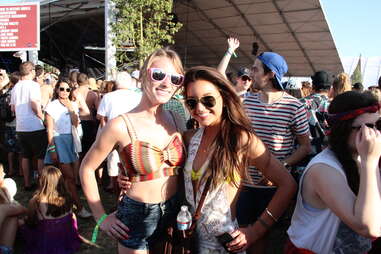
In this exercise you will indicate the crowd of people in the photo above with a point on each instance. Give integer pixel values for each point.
(261, 149)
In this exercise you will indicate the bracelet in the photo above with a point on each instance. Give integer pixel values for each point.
(270, 214)
(96, 228)
(231, 52)
(263, 223)
(51, 147)
(52, 151)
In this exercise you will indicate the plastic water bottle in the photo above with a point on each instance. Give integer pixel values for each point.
(184, 218)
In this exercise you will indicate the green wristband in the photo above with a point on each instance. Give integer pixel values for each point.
(96, 228)
(231, 52)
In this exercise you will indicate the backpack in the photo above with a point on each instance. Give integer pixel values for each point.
(6, 113)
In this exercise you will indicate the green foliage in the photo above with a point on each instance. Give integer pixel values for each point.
(356, 75)
(142, 26)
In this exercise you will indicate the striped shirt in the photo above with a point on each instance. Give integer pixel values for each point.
(277, 125)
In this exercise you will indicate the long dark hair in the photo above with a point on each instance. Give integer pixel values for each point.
(341, 130)
(51, 187)
(230, 154)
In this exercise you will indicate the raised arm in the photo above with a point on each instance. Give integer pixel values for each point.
(233, 44)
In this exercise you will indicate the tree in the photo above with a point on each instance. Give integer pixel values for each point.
(141, 27)
(356, 75)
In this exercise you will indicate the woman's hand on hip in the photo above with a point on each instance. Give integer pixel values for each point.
(114, 227)
(123, 180)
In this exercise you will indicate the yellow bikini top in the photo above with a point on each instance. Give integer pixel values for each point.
(196, 175)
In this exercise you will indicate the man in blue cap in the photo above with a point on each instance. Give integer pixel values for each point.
(279, 120)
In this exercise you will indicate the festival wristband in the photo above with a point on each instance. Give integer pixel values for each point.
(231, 52)
(96, 228)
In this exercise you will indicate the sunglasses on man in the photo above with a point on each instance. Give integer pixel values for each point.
(245, 78)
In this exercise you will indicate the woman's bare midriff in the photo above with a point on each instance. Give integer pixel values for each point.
(154, 191)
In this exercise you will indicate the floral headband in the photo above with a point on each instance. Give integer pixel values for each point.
(353, 114)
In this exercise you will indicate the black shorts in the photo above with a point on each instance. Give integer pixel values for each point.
(10, 141)
(251, 203)
(89, 128)
(32, 144)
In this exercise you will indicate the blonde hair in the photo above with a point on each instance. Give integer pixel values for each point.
(164, 52)
(52, 187)
(306, 89)
(341, 84)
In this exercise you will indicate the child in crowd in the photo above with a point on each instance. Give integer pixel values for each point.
(9, 210)
(51, 226)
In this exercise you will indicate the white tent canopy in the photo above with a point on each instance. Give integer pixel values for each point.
(296, 29)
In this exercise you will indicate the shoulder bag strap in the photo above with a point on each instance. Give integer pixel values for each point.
(197, 214)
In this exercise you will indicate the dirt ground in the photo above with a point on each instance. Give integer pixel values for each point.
(107, 245)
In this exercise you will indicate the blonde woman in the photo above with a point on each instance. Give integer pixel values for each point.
(341, 84)
(151, 147)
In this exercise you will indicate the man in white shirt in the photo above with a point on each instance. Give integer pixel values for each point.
(122, 100)
(30, 130)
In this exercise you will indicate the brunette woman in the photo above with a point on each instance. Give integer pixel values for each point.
(61, 115)
(222, 149)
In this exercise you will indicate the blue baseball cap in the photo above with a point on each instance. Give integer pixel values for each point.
(276, 64)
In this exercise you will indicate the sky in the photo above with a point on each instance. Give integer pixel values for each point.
(355, 26)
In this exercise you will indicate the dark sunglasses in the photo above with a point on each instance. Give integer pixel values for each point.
(208, 101)
(246, 78)
(370, 125)
(63, 89)
(158, 74)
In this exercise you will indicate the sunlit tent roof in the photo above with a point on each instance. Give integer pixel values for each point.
(296, 29)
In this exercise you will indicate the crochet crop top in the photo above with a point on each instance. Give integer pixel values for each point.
(143, 161)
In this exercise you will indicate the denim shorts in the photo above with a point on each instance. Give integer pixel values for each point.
(146, 222)
(64, 148)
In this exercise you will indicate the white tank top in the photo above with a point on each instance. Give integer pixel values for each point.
(320, 230)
